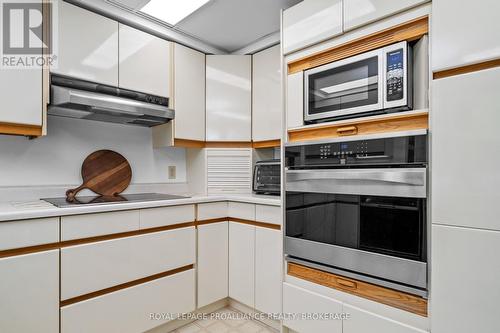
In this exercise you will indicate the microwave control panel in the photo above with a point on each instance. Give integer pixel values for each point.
(395, 75)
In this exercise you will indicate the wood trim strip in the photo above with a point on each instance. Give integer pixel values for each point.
(228, 144)
(189, 143)
(266, 144)
(124, 286)
(19, 129)
(466, 69)
(409, 31)
(210, 221)
(255, 223)
(73, 242)
(391, 297)
(403, 121)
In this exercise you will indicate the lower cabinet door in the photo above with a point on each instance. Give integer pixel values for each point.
(132, 310)
(465, 280)
(305, 305)
(29, 293)
(361, 321)
(268, 264)
(242, 263)
(212, 263)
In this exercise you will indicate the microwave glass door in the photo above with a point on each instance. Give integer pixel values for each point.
(345, 87)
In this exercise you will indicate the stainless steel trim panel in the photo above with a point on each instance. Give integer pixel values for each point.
(395, 182)
(410, 272)
(360, 277)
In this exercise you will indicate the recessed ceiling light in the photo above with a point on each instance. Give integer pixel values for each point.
(171, 11)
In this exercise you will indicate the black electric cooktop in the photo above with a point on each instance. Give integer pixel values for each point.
(106, 200)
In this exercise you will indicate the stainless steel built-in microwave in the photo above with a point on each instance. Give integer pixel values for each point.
(365, 84)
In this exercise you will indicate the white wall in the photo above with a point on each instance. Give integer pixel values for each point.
(57, 158)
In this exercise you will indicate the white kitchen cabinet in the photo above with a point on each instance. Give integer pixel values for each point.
(464, 33)
(361, 12)
(310, 22)
(242, 263)
(268, 265)
(129, 310)
(229, 98)
(361, 321)
(17, 234)
(464, 280)
(95, 266)
(145, 62)
(268, 214)
(299, 301)
(266, 94)
(212, 210)
(98, 224)
(464, 131)
(295, 100)
(212, 262)
(29, 300)
(189, 93)
(241, 210)
(163, 216)
(88, 45)
(21, 95)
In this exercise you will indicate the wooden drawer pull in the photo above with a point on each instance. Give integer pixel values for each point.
(347, 284)
(347, 130)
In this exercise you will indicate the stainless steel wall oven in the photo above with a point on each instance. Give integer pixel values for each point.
(357, 207)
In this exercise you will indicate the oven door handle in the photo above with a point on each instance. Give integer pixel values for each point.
(407, 177)
(407, 182)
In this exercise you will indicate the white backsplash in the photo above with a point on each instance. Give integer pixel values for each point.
(55, 160)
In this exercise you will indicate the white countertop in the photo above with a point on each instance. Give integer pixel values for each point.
(22, 210)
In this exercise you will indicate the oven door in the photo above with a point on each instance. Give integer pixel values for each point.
(368, 222)
(345, 87)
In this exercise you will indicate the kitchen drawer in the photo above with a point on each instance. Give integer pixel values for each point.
(363, 321)
(129, 310)
(25, 233)
(268, 214)
(241, 210)
(91, 267)
(212, 210)
(299, 301)
(90, 225)
(163, 216)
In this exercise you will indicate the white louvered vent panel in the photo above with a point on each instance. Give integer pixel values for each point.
(229, 170)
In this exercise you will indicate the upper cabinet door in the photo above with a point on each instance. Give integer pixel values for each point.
(310, 22)
(189, 97)
(145, 62)
(464, 33)
(88, 45)
(229, 98)
(266, 95)
(361, 12)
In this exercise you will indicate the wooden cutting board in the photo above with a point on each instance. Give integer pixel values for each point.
(104, 172)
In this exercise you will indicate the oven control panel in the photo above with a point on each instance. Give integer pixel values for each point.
(394, 150)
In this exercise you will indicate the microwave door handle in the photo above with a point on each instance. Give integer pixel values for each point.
(415, 178)
(360, 157)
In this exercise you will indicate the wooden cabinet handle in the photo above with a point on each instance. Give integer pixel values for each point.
(347, 130)
(347, 284)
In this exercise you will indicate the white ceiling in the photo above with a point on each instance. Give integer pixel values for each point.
(229, 25)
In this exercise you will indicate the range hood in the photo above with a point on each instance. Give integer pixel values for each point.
(80, 99)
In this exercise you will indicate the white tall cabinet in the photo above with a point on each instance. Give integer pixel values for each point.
(145, 62)
(88, 45)
(464, 32)
(229, 98)
(29, 290)
(266, 94)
